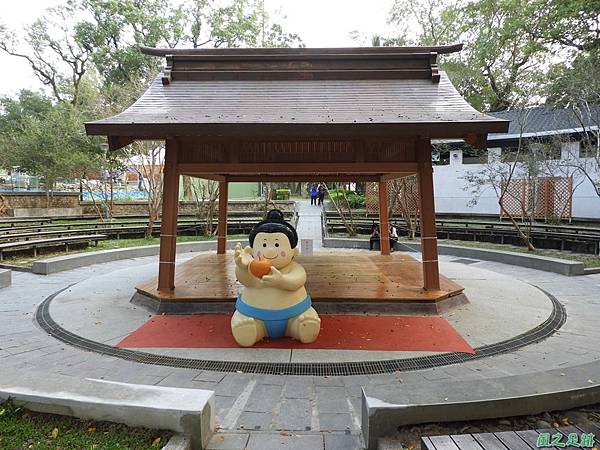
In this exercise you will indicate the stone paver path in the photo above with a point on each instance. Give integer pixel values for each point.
(309, 222)
(263, 412)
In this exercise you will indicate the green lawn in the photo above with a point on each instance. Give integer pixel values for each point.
(22, 429)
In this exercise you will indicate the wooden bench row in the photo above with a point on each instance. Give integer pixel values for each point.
(569, 229)
(196, 228)
(96, 224)
(80, 225)
(581, 242)
(14, 221)
(52, 242)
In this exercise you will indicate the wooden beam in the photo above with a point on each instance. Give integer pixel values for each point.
(260, 132)
(222, 227)
(303, 177)
(168, 226)
(395, 176)
(206, 176)
(429, 252)
(384, 221)
(342, 168)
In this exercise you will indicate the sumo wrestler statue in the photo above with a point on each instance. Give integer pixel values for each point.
(274, 302)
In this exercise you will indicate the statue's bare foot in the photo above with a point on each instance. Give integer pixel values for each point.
(305, 327)
(246, 331)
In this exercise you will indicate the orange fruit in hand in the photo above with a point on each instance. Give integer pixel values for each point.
(260, 267)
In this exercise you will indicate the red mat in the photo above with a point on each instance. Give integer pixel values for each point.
(341, 332)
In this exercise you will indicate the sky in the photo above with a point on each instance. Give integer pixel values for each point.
(320, 23)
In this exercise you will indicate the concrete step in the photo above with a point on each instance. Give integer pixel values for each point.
(5, 278)
(385, 408)
(74, 261)
(186, 411)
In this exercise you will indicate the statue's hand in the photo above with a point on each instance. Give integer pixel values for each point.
(273, 279)
(242, 257)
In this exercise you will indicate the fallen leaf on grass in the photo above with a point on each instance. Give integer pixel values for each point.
(156, 442)
(54, 433)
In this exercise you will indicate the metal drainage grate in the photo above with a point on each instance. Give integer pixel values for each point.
(465, 261)
(547, 328)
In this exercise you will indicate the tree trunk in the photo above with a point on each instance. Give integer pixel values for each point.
(349, 224)
(187, 188)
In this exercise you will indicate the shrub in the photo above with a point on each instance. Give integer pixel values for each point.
(282, 194)
(356, 201)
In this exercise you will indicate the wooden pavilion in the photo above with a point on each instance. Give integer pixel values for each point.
(279, 114)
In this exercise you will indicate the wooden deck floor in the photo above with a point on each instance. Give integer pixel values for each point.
(344, 277)
(507, 440)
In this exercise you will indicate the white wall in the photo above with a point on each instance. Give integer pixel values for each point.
(452, 193)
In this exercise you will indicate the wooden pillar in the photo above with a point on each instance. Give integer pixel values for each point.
(168, 227)
(222, 228)
(431, 274)
(384, 222)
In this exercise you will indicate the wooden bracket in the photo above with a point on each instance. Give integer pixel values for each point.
(166, 74)
(435, 70)
(117, 142)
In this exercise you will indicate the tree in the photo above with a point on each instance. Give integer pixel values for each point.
(206, 194)
(507, 42)
(47, 139)
(116, 29)
(571, 24)
(575, 85)
(404, 197)
(55, 56)
(87, 53)
(148, 158)
(339, 200)
(499, 173)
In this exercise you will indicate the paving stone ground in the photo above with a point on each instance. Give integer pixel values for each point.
(264, 411)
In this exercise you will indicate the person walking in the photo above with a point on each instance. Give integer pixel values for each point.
(313, 194)
(321, 194)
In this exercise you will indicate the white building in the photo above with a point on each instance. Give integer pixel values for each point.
(561, 127)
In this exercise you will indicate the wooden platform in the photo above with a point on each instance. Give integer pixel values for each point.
(360, 278)
(509, 440)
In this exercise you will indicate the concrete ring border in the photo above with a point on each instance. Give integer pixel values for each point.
(552, 324)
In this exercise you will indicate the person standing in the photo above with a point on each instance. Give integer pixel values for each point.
(374, 236)
(313, 194)
(321, 194)
(393, 237)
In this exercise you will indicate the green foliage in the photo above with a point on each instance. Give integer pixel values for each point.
(575, 83)
(508, 43)
(46, 139)
(93, 68)
(282, 194)
(356, 201)
(118, 27)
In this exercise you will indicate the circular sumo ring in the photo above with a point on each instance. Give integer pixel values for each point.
(273, 303)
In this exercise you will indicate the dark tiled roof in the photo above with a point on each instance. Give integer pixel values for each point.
(543, 119)
(274, 93)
